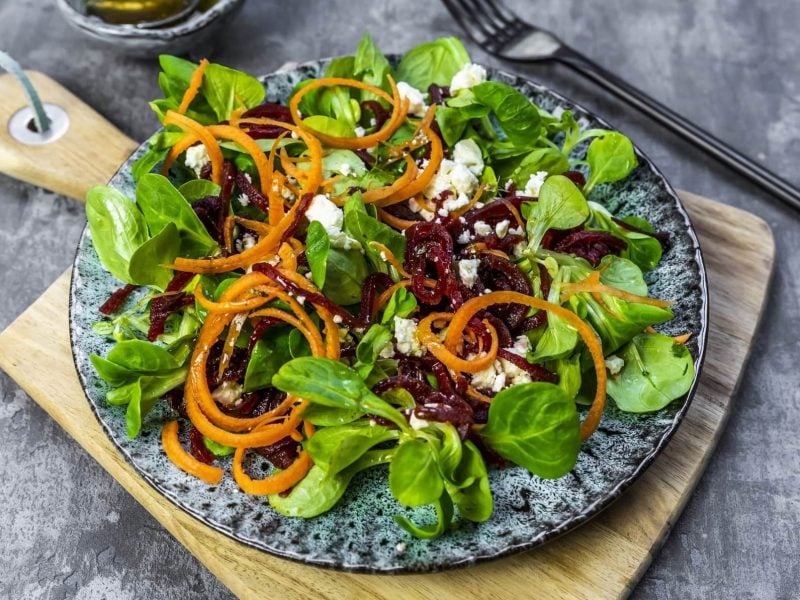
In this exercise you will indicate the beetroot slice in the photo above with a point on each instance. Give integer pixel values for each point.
(199, 450)
(117, 299)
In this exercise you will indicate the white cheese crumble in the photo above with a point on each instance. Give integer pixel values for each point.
(387, 351)
(359, 131)
(535, 183)
(248, 241)
(415, 207)
(467, 153)
(503, 372)
(453, 177)
(468, 271)
(345, 169)
(416, 422)
(614, 364)
(416, 101)
(227, 393)
(501, 229)
(243, 199)
(197, 158)
(465, 238)
(405, 331)
(331, 217)
(469, 75)
(482, 228)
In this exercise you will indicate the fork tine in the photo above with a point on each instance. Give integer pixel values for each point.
(481, 19)
(504, 13)
(493, 12)
(459, 14)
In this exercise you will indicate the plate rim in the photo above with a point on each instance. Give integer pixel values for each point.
(571, 522)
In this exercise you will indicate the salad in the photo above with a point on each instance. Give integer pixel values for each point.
(403, 265)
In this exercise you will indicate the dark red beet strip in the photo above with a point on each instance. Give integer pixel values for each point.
(380, 114)
(199, 450)
(537, 372)
(304, 203)
(253, 195)
(117, 299)
(316, 299)
(369, 290)
(269, 110)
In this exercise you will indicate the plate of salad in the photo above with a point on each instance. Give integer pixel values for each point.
(387, 314)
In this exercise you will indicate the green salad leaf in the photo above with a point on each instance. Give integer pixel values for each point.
(414, 477)
(432, 62)
(611, 158)
(535, 426)
(332, 383)
(227, 89)
(561, 205)
(107, 211)
(657, 371)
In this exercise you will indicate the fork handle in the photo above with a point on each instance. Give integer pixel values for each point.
(778, 187)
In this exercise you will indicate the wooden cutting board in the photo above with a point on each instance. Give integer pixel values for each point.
(602, 559)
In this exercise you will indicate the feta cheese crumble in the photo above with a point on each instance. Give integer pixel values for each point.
(503, 372)
(359, 131)
(416, 101)
(614, 364)
(331, 217)
(227, 393)
(468, 271)
(465, 238)
(405, 331)
(470, 75)
(482, 228)
(467, 153)
(415, 207)
(416, 422)
(197, 158)
(535, 183)
(501, 229)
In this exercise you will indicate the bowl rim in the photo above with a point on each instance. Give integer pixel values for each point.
(98, 27)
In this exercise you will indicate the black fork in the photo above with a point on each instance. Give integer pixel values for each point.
(500, 32)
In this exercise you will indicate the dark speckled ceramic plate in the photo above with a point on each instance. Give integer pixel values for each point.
(360, 533)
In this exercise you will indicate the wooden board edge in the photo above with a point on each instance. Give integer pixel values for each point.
(140, 489)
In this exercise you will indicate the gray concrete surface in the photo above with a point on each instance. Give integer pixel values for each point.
(68, 530)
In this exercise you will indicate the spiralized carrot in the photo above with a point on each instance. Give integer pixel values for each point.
(313, 177)
(474, 200)
(399, 111)
(592, 284)
(468, 310)
(393, 221)
(274, 484)
(404, 180)
(194, 86)
(185, 461)
(265, 248)
(424, 178)
(204, 135)
(447, 355)
(228, 307)
(389, 257)
(235, 134)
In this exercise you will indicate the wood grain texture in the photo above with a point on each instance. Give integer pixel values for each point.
(602, 559)
(90, 151)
